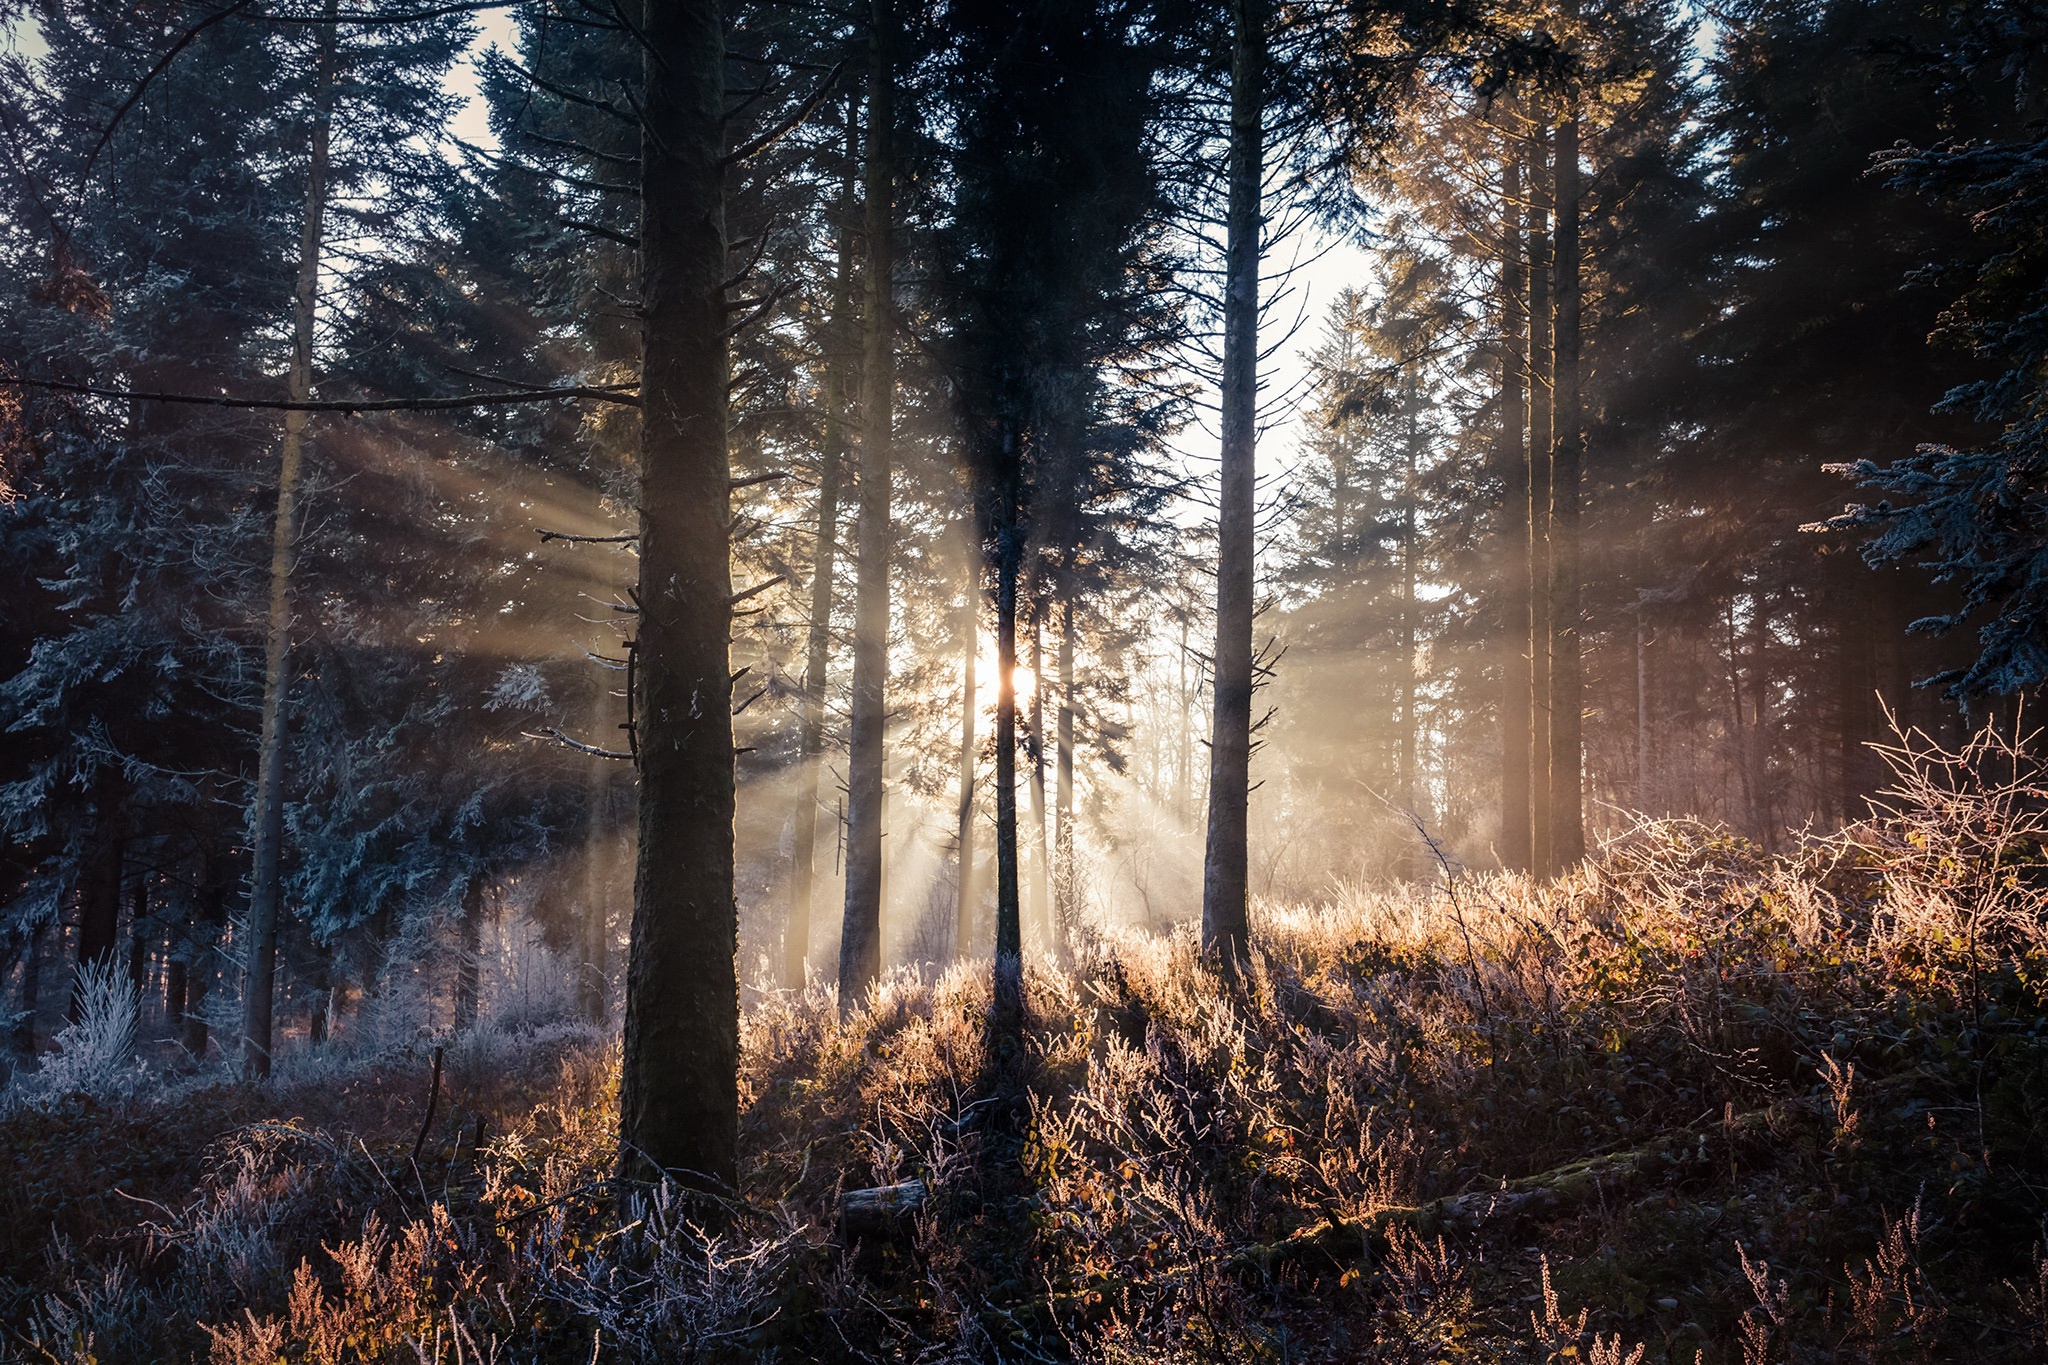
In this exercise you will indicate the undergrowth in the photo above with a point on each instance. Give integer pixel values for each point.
(1692, 1102)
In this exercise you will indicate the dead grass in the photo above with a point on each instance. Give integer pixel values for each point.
(1693, 1102)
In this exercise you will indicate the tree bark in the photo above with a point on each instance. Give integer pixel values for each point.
(1542, 378)
(1226, 860)
(966, 907)
(1065, 902)
(208, 916)
(469, 940)
(1034, 745)
(593, 974)
(30, 999)
(679, 1084)
(138, 935)
(796, 943)
(267, 814)
(1406, 783)
(1513, 459)
(1567, 780)
(1009, 963)
(860, 935)
(99, 900)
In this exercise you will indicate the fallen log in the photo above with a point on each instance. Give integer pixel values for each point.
(1549, 1193)
(881, 1211)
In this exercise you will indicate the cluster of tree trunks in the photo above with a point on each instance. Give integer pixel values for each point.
(1541, 458)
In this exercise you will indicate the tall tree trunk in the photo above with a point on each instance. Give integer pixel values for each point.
(1738, 735)
(1226, 860)
(1009, 963)
(267, 815)
(99, 899)
(860, 935)
(1542, 379)
(208, 915)
(1857, 623)
(1065, 908)
(139, 926)
(174, 996)
(811, 736)
(30, 999)
(679, 1085)
(1764, 818)
(1645, 755)
(1041, 898)
(1406, 782)
(1513, 460)
(796, 943)
(593, 974)
(469, 943)
(966, 906)
(1567, 780)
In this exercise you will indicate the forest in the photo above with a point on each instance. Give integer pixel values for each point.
(1023, 680)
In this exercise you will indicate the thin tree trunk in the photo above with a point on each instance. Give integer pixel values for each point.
(1009, 963)
(1406, 784)
(208, 916)
(99, 900)
(1041, 898)
(1065, 908)
(175, 972)
(593, 975)
(267, 816)
(1765, 816)
(138, 941)
(1645, 772)
(1226, 860)
(796, 944)
(1739, 737)
(1517, 683)
(966, 906)
(469, 942)
(1542, 377)
(31, 996)
(1567, 779)
(860, 935)
(138, 931)
(679, 1084)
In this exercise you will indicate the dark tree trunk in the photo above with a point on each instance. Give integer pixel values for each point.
(860, 935)
(208, 916)
(1407, 782)
(1226, 859)
(1567, 780)
(796, 943)
(469, 941)
(594, 948)
(1513, 459)
(1009, 963)
(99, 900)
(139, 928)
(679, 1085)
(965, 911)
(267, 817)
(31, 997)
(1066, 909)
(174, 996)
(1034, 746)
(1542, 379)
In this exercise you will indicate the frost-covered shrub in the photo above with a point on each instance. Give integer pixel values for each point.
(95, 1055)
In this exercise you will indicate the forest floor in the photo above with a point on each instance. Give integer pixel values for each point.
(1693, 1102)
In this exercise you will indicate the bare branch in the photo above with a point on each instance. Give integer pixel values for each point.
(600, 393)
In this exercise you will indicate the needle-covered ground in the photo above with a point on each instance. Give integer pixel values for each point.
(1693, 1103)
